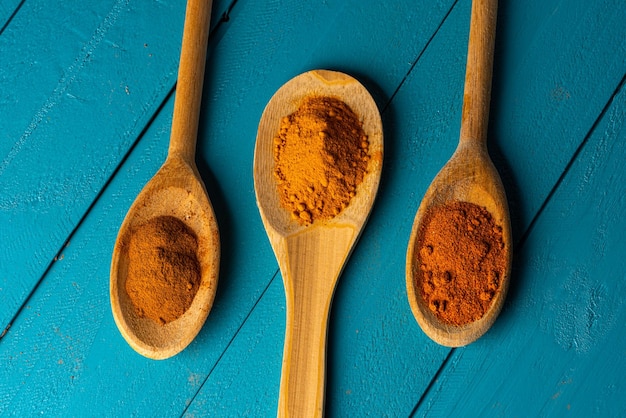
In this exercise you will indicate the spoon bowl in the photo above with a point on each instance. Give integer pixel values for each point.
(469, 176)
(312, 257)
(175, 190)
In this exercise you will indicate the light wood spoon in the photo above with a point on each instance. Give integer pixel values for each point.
(175, 190)
(311, 258)
(468, 176)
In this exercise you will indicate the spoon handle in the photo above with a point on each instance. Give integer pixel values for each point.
(478, 71)
(310, 263)
(302, 383)
(190, 80)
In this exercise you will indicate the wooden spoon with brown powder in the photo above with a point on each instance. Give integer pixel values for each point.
(311, 256)
(175, 190)
(469, 176)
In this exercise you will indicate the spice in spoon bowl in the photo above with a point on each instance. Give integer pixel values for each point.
(460, 250)
(165, 262)
(317, 164)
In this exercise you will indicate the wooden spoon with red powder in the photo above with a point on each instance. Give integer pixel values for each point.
(469, 177)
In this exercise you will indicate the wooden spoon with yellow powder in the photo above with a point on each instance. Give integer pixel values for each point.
(317, 166)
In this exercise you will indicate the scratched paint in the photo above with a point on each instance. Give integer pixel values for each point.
(63, 352)
(580, 314)
(63, 151)
(565, 336)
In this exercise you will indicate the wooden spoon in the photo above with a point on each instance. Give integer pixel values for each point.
(175, 190)
(468, 176)
(311, 258)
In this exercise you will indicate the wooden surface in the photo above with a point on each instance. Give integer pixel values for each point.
(86, 98)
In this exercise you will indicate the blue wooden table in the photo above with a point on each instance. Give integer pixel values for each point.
(86, 95)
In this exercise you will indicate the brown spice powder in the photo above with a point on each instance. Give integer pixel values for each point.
(321, 156)
(462, 259)
(163, 270)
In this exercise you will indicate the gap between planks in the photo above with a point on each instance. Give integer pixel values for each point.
(224, 18)
(517, 246)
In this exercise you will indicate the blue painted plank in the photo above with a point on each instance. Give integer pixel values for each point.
(548, 89)
(379, 360)
(76, 93)
(247, 265)
(64, 354)
(70, 106)
(233, 390)
(395, 367)
(370, 317)
(8, 9)
(559, 347)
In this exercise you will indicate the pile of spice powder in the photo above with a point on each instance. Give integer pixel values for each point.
(321, 156)
(461, 261)
(163, 269)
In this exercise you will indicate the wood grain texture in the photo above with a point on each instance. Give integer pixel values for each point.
(190, 80)
(555, 70)
(372, 335)
(555, 352)
(175, 190)
(479, 71)
(73, 107)
(311, 257)
(469, 176)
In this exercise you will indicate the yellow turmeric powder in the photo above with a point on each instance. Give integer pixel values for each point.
(321, 156)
